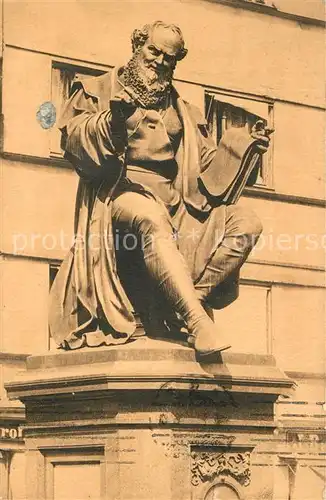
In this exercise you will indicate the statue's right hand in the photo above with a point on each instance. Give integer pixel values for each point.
(122, 106)
(124, 102)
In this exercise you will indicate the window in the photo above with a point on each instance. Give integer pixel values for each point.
(63, 75)
(224, 110)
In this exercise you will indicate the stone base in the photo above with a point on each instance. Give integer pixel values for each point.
(147, 421)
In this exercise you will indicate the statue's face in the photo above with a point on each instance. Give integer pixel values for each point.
(160, 50)
(150, 70)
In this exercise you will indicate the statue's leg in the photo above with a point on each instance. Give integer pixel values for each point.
(242, 231)
(146, 222)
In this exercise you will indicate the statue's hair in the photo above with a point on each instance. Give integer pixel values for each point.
(139, 37)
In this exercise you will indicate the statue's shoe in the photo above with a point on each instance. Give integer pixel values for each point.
(176, 325)
(208, 343)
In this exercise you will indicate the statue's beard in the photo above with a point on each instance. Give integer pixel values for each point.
(151, 87)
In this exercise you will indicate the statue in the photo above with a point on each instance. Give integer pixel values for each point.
(153, 232)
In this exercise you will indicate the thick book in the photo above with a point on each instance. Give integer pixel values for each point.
(236, 159)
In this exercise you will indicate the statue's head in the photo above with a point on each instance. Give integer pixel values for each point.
(157, 48)
(167, 39)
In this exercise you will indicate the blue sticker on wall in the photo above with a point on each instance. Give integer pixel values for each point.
(46, 115)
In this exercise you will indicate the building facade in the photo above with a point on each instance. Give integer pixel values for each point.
(246, 59)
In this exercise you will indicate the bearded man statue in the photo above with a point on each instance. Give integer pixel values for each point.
(151, 234)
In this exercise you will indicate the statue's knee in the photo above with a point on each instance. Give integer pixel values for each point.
(138, 214)
(246, 222)
(152, 222)
(245, 226)
(251, 231)
(255, 226)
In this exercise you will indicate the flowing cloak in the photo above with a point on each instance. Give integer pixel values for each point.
(87, 294)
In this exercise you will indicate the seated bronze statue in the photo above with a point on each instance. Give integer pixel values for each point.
(153, 233)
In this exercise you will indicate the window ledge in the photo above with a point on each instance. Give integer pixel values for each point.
(270, 194)
(264, 3)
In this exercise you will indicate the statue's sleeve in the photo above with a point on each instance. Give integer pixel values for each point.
(87, 138)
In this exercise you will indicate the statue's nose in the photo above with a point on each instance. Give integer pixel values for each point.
(160, 59)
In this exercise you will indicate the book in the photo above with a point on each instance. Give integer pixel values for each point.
(234, 163)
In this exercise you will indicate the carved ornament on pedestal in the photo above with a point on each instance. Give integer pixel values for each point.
(207, 465)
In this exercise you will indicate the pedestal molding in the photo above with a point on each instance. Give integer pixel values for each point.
(153, 366)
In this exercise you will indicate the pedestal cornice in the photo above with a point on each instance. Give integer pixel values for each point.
(146, 365)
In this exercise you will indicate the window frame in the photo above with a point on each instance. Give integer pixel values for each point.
(58, 99)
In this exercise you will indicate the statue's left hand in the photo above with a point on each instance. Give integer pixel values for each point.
(262, 134)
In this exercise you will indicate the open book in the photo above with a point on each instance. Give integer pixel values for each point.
(236, 159)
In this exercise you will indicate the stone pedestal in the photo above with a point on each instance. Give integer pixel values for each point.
(147, 421)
